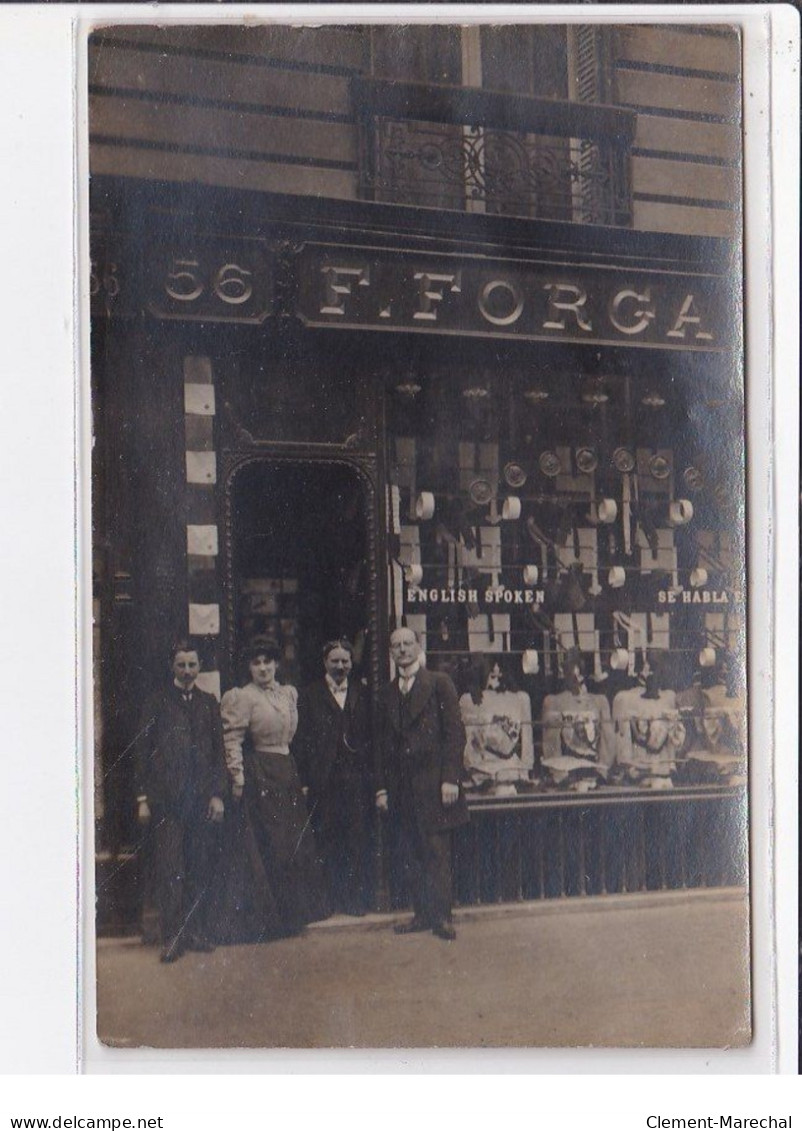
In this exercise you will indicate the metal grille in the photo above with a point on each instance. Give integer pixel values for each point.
(448, 165)
(579, 846)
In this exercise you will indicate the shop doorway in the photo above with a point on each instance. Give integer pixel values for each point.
(300, 572)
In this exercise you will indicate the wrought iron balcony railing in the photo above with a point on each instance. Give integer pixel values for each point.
(477, 150)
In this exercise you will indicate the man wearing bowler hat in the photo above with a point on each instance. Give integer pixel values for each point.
(418, 779)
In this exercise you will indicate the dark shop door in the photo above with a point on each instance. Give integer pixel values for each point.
(299, 557)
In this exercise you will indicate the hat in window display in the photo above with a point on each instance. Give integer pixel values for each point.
(514, 475)
(531, 574)
(698, 578)
(586, 460)
(530, 662)
(659, 468)
(481, 492)
(693, 478)
(549, 464)
(623, 460)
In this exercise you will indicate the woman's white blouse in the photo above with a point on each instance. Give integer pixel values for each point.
(270, 715)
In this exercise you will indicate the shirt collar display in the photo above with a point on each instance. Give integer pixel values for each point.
(406, 677)
(338, 690)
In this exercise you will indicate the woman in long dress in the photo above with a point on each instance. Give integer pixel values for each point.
(259, 722)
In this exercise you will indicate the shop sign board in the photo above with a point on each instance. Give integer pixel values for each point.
(500, 596)
(355, 288)
(186, 278)
(211, 280)
(377, 289)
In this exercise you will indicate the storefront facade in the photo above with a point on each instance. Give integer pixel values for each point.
(324, 418)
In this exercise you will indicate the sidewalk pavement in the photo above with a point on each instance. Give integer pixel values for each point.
(666, 970)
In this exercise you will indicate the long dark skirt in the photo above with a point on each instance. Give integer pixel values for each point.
(271, 880)
(244, 907)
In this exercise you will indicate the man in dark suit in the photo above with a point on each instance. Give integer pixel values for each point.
(331, 749)
(419, 770)
(181, 778)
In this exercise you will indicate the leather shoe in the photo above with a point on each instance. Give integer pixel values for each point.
(412, 927)
(444, 931)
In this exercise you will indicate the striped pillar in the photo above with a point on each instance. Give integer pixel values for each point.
(203, 538)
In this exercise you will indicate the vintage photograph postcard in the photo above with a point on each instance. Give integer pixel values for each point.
(418, 534)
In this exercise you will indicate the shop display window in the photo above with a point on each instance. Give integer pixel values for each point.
(574, 530)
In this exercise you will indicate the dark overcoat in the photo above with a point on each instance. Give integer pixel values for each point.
(317, 740)
(422, 745)
(180, 761)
